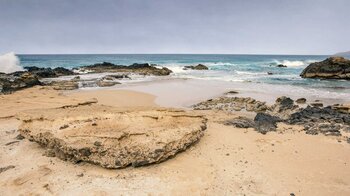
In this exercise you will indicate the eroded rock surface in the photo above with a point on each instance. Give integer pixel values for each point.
(145, 69)
(331, 68)
(111, 137)
(231, 104)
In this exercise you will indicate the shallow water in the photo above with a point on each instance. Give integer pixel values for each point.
(228, 68)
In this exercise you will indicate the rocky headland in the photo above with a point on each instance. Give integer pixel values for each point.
(331, 68)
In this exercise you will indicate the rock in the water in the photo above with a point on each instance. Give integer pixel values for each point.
(197, 67)
(281, 65)
(301, 101)
(48, 72)
(145, 69)
(240, 122)
(265, 123)
(119, 138)
(331, 68)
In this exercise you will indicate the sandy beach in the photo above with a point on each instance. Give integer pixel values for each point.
(226, 160)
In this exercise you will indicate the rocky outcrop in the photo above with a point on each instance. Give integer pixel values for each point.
(111, 137)
(145, 69)
(65, 85)
(327, 120)
(48, 72)
(17, 81)
(197, 67)
(231, 104)
(265, 122)
(331, 68)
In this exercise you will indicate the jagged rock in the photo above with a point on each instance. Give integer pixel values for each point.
(124, 137)
(240, 122)
(283, 107)
(64, 85)
(145, 69)
(17, 81)
(316, 120)
(197, 67)
(301, 101)
(265, 123)
(48, 72)
(331, 68)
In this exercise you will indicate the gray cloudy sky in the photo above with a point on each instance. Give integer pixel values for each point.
(176, 26)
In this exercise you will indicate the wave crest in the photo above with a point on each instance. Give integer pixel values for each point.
(9, 63)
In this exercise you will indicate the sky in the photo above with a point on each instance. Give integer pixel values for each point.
(175, 26)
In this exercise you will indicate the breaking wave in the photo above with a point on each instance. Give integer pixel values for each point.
(9, 62)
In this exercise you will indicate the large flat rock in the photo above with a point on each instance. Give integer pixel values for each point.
(112, 137)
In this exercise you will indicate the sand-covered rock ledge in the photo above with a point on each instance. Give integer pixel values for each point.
(112, 137)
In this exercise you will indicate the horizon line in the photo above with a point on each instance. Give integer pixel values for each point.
(171, 54)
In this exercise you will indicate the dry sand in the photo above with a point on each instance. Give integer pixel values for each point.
(226, 161)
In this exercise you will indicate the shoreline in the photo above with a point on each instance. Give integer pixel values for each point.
(226, 160)
(191, 91)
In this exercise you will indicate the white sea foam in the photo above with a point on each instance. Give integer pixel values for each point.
(9, 62)
(291, 63)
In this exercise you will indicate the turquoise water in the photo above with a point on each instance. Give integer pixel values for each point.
(239, 68)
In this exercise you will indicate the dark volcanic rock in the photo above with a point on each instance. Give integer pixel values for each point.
(331, 68)
(197, 67)
(240, 122)
(17, 81)
(145, 69)
(48, 72)
(320, 120)
(281, 65)
(265, 123)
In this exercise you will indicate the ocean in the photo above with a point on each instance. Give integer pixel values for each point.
(235, 68)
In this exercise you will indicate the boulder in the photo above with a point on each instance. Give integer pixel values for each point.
(265, 122)
(197, 67)
(331, 68)
(112, 137)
